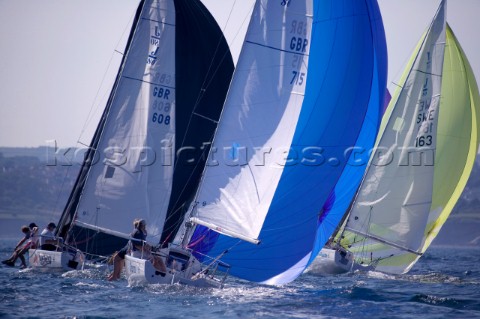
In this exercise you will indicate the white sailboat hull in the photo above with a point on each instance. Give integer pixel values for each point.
(190, 272)
(332, 262)
(55, 260)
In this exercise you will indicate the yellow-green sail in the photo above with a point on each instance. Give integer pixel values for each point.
(458, 135)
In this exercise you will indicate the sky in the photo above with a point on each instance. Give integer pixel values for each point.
(58, 58)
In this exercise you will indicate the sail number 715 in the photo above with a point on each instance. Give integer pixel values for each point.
(297, 78)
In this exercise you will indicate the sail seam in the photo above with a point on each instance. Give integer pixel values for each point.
(160, 22)
(277, 49)
(165, 86)
(427, 73)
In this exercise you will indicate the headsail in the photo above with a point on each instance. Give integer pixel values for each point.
(425, 155)
(298, 99)
(161, 99)
(459, 88)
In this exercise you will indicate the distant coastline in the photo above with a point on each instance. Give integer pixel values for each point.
(34, 190)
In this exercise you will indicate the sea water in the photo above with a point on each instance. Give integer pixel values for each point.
(445, 283)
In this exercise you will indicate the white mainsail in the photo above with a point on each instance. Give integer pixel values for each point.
(137, 134)
(238, 186)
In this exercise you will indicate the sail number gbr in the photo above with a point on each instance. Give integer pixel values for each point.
(161, 93)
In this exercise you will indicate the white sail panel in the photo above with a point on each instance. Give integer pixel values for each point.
(393, 204)
(133, 175)
(253, 139)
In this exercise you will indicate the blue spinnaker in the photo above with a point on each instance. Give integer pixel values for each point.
(344, 86)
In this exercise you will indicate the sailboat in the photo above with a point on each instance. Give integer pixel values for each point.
(147, 153)
(307, 75)
(423, 158)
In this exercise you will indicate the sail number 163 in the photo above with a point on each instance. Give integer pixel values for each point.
(423, 141)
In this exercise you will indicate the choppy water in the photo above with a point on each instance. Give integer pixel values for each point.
(444, 283)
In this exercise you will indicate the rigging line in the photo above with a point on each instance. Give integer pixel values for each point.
(169, 217)
(90, 115)
(427, 73)
(365, 225)
(405, 61)
(205, 117)
(397, 85)
(234, 38)
(64, 180)
(81, 143)
(386, 242)
(426, 34)
(206, 84)
(180, 221)
(70, 212)
(214, 261)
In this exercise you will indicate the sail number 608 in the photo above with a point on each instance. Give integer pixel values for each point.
(160, 118)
